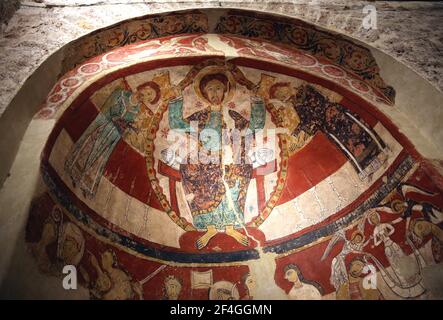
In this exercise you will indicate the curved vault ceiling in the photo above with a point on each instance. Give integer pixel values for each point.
(337, 184)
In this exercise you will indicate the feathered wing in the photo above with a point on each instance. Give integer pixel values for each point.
(408, 188)
(264, 85)
(362, 223)
(386, 209)
(338, 236)
(164, 82)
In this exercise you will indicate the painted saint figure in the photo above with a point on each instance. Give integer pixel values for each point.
(285, 116)
(406, 270)
(172, 288)
(312, 112)
(302, 289)
(427, 226)
(87, 159)
(339, 273)
(355, 289)
(216, 189)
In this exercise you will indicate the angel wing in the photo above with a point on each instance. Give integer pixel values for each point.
(404, 189)
(338, 236)
(164, 82)
(266, 82)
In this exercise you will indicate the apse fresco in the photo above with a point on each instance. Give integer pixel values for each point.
(217, 166)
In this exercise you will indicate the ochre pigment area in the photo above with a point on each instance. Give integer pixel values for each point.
(225, 167)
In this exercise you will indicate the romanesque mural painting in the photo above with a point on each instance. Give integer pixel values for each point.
(209, 174)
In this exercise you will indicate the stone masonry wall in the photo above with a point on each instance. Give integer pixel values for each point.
(410, 31)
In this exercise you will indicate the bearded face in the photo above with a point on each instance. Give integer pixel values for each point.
(214, 90)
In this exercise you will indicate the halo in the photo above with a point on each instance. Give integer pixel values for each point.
(371, 214)
(356, 233)
(398, 206)
(214, 70)
(265, 84)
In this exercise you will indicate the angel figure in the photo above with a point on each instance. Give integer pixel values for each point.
(357, 140)
(339, 274)
(405, 278)
(138, 138)
(89, 155)
(278, 97)
(429, 225)
(417, 229)
(407, 205)
(304, 111)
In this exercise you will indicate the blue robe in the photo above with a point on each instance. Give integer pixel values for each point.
(210, 205)
(87, 159)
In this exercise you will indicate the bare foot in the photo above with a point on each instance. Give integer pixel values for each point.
(204, 239)
(241, 238)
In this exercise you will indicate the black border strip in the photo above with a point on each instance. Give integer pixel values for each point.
(225, 257)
